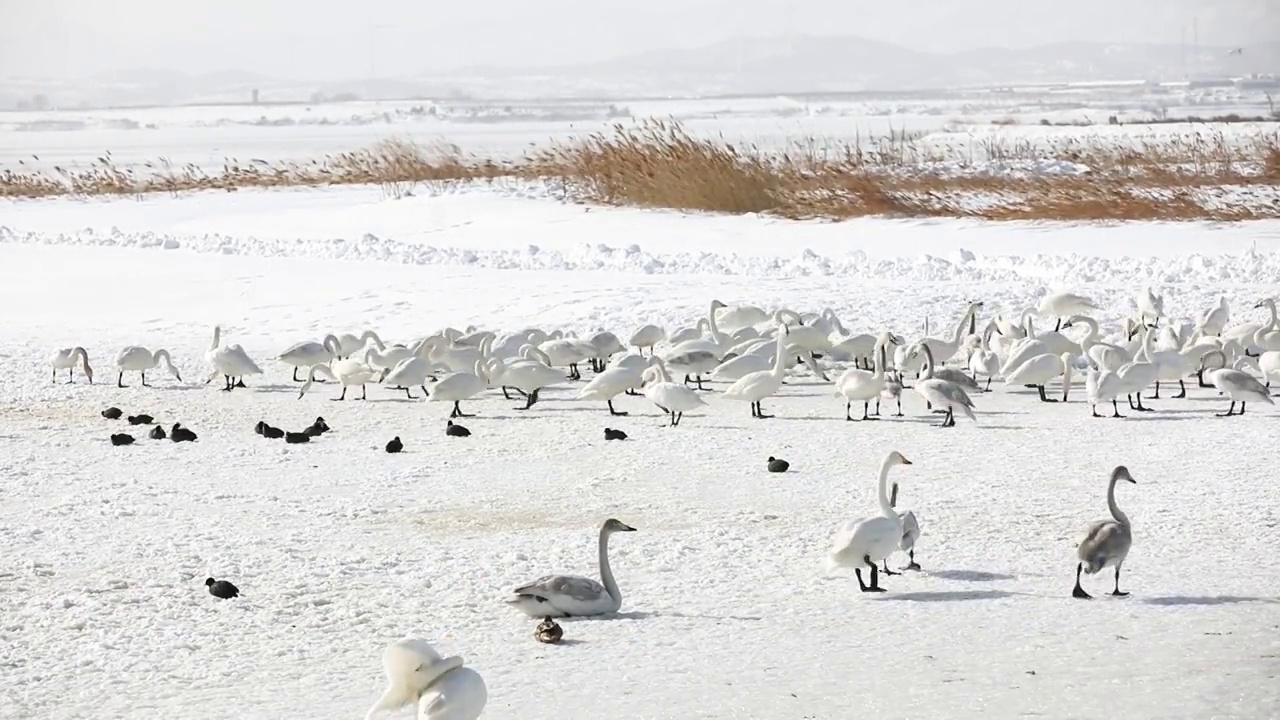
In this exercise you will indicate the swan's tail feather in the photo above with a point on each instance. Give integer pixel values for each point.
(968, 411)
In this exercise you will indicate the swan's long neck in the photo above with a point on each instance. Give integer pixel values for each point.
(779, 363)
(886, 507)
(714, 328)
(1028, 325)
(1111, 504)
(962, 326)
(606, 573)
(79, 352)
(879, 360)
(927, 372)
(217, 337)
(162, 355)
(1146, 344)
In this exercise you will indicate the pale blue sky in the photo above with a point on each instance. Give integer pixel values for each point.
(329, 39)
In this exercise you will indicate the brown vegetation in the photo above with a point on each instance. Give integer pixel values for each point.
(660, 165)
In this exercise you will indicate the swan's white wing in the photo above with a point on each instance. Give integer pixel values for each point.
(571, 586)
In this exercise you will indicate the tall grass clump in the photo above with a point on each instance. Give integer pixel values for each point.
(659, 164)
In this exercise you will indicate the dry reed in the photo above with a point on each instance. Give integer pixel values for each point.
(661, 165)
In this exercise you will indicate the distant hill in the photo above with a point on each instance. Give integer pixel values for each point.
(851, 63)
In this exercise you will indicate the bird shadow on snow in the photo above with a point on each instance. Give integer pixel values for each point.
(948, 596)
(969, 575)
(1171, 600)
(644, 615)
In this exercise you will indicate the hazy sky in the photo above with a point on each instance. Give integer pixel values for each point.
(332, 39)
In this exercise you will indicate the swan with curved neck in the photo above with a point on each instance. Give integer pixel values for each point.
(140, 360)
(348, 372)
(574, 595)
(671, 398)
(1106, 542)
(870, 540)
(941, 392)
(307, 353)
(856, 384)
(1105, 356)
(1237, 384)
(984, 360)
(67, 359)
(1267, 337)
(757, 386)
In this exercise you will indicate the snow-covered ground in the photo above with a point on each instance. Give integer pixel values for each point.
(340, 548)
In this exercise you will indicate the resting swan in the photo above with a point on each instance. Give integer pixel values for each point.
(1106, 542)
(66, 359)
(869, 541)
(574, 595)
(442, 687)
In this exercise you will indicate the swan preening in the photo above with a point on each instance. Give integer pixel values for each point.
(442, 687)
(574, 595)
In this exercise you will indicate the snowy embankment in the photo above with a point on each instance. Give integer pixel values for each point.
(339, 548)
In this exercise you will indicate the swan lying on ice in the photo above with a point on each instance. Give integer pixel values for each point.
(442, 687)
(573, 595)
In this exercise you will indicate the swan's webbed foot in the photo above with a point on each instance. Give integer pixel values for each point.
(615, 412)
(757, 412)
(887, 571)
(1231, 411)
(1043, 397)
(873, 587)
(409, 393)
(633, 393)
(1117, 593)
(457, 411)
(1182, 392)
(866, 406)
(913, 565)
(1077, 591)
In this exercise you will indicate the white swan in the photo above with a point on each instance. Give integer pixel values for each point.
(1149, 305)
(1215, 319)
(139, 359)
(613, 382)
(1103, 355)
(1039, 370)
(528, 375)
(672, 398)
(67, 359)
(757, 386)
(1106, 542)
(442, 687)
(1102, 386)
(646, 337)
(754, 356)
(1268, 365)
(349, 344)
(233, 363)
(741, 316)
(1238, 385)
(308, 353)
(574, 595)
(1061, 305)
(1137, 375)
(348, 372)
(870, 540)
(413, 370)
(910, 531)
(856, 384)
(944, 394)
(985, 360)
(568, 352)
(459, 386)
(1267, 337)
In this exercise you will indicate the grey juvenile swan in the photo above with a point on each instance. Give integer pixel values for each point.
(1107, 542)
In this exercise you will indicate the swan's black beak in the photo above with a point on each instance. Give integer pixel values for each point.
(628, 528)
(907, 462)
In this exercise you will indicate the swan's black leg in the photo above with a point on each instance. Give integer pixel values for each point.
(505, 394)
(633, 393)
(866, 406)
(1182, 392)
(1241, 407)
(424, 391)
(913, 565)
(988, 383)
(1094, 409)
(1117, 592)
(144, 379)
(678, 417)
(612, 411)
(364, 392)
(899, 414)
(760, 411)
(1077, 591)
(1043, 397)
(226, 380)
(886, 569)
(55, 375)
(295, 374)
(848, 404)
(1115, 409)
(1140, 408)
(875, 575)
(409, 393)
(343, 396)
(1200, 379)
(1156, 396)
(877, 407)
(1230, 411)
(698, 378)
(861, 585)
(457, 411)
(1058, 327)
